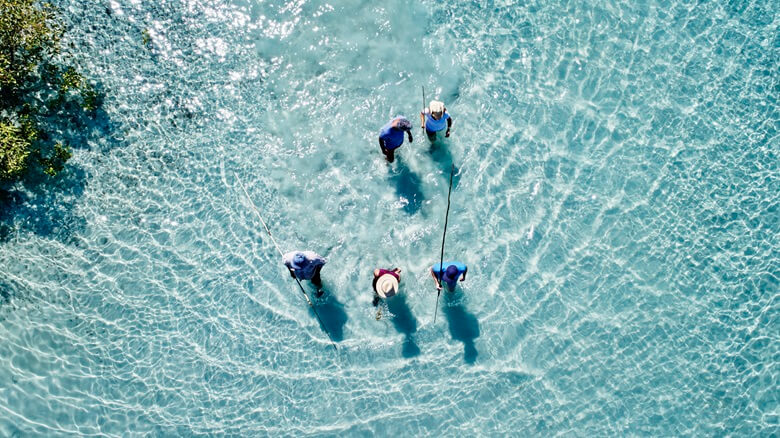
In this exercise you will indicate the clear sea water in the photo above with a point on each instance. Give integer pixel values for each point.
(616, 201)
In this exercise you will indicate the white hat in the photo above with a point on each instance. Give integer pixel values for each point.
(436, 106)
(387, 285)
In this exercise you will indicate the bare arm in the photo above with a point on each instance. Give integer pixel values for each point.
(435, 280)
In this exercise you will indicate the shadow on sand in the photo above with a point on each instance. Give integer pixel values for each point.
(405, 323)
(42, 204)
(407, 185)
(464, 326)
(332, 315)
(441, 155)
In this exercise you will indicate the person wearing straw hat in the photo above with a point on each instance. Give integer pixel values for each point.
(305, 265)
(450, 275)
(385, 283)
(435, 119)
(391, 136)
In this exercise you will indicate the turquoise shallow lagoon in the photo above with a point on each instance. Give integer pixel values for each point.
(616, 202)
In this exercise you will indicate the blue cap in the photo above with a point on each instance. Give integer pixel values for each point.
(451, 273)
(298, 260)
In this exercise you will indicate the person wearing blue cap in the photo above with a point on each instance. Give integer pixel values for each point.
(391, 136)
(305, 265)
(450, 275)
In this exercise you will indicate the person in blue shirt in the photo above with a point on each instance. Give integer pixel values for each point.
(435, 119)
(452, 271)
(391, 136)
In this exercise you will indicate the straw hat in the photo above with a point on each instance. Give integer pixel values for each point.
(387, 286)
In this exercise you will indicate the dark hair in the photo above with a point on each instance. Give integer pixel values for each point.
(451, 272)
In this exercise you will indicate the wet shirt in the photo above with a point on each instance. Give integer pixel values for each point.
(309, 265)
(437, 270)
(392, 137)
(433, 125)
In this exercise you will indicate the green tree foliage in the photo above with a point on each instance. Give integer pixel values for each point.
(14, 148)
(54, 163)
(31, 84)
(29, 34)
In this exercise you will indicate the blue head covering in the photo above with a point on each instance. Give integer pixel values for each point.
(298, 260)
(403, 123)
(451, 274)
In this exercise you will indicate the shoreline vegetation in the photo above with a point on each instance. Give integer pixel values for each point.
(37, 87)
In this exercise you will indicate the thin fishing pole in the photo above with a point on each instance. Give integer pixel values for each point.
(443, 237)
(423, 110)
(303, 291)
(332, 343)
(258, 215)
(257, 212)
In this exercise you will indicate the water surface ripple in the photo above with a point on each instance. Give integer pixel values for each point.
(616, 202)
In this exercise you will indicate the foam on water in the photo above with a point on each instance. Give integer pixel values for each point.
(616, 202)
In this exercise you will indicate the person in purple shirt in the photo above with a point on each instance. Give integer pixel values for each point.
(305, 265)
(391, 136)
(385, 283)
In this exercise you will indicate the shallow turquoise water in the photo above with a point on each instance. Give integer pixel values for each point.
(616, 202)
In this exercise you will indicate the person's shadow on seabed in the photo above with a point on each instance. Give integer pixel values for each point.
(464, 326)
(440, 153)
(332, 315)
(407, 185)
(405, 323)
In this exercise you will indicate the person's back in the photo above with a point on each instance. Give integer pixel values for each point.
(385, 283)
(449, 274)
(305, 265)
(391, 136)
(436, 119)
